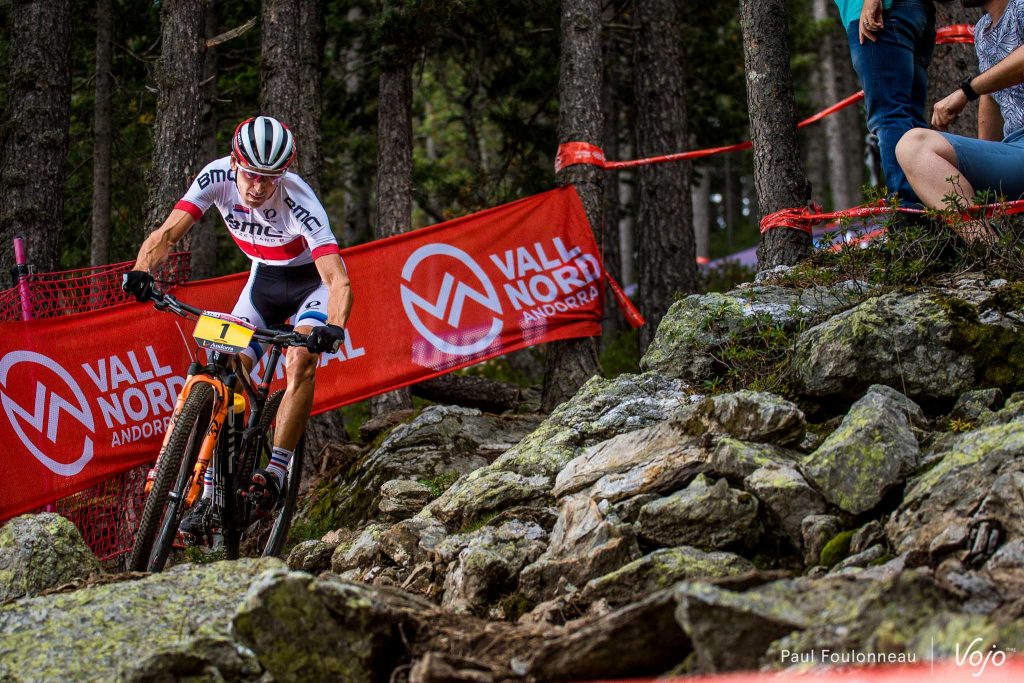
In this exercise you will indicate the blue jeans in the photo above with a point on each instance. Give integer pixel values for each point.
(893, 71)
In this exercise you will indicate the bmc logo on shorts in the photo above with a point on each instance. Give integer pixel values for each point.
(38, 420)
(466, 330)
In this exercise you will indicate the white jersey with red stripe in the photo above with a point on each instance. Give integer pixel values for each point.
(290, 229)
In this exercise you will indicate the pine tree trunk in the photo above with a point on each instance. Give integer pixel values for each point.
(102, 125)
(951, 64)
(176, 134)
(394, 180)
(614, 321)
(311, 57)
(35, 131)
(666, 255)
(733, 199)
(204, 234)
(778, 176)
(572, 362)
(279, 64)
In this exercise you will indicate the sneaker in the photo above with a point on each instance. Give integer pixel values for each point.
(264, 491)
(194, 527)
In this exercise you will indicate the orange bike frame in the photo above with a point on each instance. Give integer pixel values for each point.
(220, 411)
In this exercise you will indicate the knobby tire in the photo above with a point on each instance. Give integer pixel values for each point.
(193, 421)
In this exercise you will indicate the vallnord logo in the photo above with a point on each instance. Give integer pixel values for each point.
(453, 292)
(45, 414)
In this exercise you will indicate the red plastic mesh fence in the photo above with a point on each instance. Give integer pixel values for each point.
(106, 514)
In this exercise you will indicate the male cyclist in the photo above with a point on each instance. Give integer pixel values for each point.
(297, 272)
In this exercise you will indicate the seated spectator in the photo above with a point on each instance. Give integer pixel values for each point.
(938, 163)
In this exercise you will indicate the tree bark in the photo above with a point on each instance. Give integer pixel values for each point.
(279, 65)
(614, 321)
(470, 392)
(310, 110)
(951, 64)
(666, 252)
(778, 175)
(176, 134)
(103, 137)
(572, 362)
(394, 177)
(35, 131)
(204, 234)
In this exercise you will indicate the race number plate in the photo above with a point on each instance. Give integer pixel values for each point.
(222, 332)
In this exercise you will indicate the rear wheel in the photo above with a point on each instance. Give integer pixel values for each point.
(165, 503)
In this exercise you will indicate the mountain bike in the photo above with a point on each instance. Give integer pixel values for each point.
(208, 429)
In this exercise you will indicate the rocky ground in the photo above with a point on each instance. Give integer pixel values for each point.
(864, 493)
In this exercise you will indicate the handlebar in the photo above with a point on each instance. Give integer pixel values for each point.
(163, 301)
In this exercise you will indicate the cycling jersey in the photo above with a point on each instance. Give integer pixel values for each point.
(290, 229)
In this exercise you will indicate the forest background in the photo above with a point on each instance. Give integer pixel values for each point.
(138, 105)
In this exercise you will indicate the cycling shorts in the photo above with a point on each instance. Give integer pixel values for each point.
(274, 295)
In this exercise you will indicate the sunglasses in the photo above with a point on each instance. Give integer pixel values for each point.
(256, 177)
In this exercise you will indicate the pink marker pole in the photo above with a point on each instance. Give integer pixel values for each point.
(21, 268)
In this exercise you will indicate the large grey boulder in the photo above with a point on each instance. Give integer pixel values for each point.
(979, 479)
(41, 551)
(705, 515)
(696, 328)
(403, 498)
(909, 342)
(440, 441)
(601, 409)
(760, 417)
(873, 450)
(486, 492)
(360, 552)
(655, 459)
(641, 639)
(306, 629)
(661, 569)
(97, 632)
(788, 497)
(583, 545)
(487, 563)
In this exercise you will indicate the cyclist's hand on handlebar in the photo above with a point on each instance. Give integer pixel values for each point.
(139, 284)
(325, 339)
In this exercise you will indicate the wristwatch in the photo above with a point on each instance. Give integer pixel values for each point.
(965, 85)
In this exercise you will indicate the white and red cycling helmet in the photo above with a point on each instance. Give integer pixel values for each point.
(263, 145)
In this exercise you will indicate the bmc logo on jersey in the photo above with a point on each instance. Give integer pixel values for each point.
(463, 330)
(43, 408)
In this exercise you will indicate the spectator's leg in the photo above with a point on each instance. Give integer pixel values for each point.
(929, 160)
(893, 76)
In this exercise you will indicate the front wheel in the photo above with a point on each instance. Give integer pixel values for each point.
(165, 503)
(256, 454)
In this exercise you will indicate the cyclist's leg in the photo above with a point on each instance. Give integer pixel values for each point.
(300, 370)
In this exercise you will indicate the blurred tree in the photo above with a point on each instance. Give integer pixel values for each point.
(35, 132)
(102, 127)
(572, 362)
(394, 152)
(666, 254)
(777, 172)
(176, 134)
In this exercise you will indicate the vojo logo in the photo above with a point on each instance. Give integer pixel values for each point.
(448, 305)
(44, 417)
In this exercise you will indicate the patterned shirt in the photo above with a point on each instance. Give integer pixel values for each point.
(993, 43)
(290, 229)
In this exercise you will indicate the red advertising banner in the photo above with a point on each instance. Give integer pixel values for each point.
(88, 396)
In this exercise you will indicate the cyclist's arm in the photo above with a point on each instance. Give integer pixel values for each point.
(158, 245)
(332, 272)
